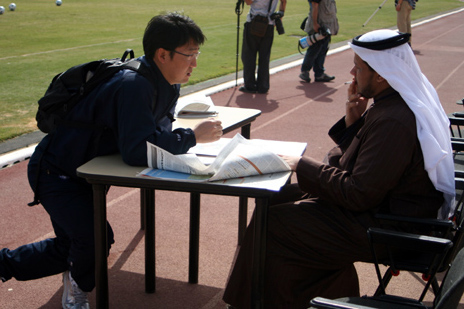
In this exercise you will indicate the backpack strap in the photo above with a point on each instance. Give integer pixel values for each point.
(140, 68)
(129, 52)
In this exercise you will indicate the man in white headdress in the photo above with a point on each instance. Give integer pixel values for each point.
(392, 157)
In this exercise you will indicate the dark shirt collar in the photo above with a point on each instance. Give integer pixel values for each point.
(387, 93)
(162, 82)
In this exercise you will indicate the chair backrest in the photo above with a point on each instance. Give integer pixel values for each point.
(456, 125)
(430, 263)
(458, 218)
(457, 141)
(457, 144)
(452, 288)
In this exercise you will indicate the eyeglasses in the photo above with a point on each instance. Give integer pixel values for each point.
(189, 57)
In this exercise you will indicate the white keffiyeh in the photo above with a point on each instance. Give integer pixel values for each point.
(399, 67)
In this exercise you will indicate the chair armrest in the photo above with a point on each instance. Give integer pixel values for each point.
(459, 183)
(383, 301)
(324, 303)
(440, 225)
(458, 114)
(409, 241)
(457, 143)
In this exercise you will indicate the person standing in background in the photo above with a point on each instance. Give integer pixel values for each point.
(254, 45)
(322, 13)
(403, 15)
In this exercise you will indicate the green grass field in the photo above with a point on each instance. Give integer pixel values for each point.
(40, 39)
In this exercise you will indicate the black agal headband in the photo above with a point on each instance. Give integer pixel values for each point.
(394, 41)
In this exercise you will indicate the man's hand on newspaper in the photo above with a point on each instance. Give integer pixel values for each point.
(292, 161)
(208, 131)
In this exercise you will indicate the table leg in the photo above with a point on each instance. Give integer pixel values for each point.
(259, 253)
(243, 200)
(194, 243)
(246, 131)
(101, 245)
(150, 262)
(242, 218)
(142, 209)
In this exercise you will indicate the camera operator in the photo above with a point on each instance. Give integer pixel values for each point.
(259, 45)
(322, 15)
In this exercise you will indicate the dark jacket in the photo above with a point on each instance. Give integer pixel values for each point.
(123, 109)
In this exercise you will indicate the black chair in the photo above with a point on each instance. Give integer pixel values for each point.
(457, 145)
(457, 141)
(427, 263)
(415, 260)
(456, 124)
(448, 297)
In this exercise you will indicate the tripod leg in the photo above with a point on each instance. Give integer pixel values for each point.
(380, 6)
(237, 53)
(238, 11)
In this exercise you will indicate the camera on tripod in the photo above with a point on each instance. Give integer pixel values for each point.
(313, 38)
(277, 18)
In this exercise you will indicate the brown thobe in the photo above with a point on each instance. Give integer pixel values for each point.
(313, 241)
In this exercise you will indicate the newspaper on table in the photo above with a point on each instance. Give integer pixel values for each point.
(238, 158)
(195, 106)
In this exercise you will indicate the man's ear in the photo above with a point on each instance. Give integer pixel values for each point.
(380, 79)
(161, 55)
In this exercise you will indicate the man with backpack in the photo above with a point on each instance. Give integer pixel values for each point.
(119, 115)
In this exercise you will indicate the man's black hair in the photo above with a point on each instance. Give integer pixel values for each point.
(170, 31)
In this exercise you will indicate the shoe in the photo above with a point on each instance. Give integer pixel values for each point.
(2, 278)
(305, 76)
(263, 91)
(246, 90)
(73, 296)
(324, 78)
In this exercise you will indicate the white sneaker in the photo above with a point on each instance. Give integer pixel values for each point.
(73, 296)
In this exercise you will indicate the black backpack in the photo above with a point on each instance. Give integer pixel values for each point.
(69, 87)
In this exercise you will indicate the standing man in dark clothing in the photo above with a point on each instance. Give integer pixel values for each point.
(322, 14)
(254, 45)
(392, 157)
(123, 110)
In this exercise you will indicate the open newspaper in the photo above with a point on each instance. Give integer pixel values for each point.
(238, 158)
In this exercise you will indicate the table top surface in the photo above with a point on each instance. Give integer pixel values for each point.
(111, 170)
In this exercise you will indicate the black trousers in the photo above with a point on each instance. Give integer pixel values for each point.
(311, 248)
(253, 47)
(70, 205)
